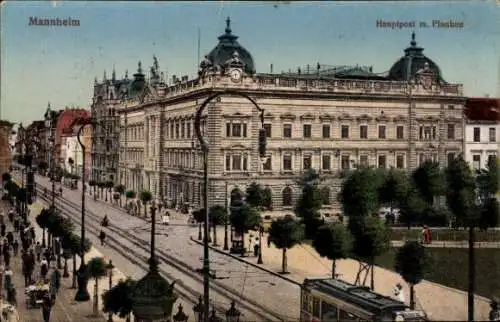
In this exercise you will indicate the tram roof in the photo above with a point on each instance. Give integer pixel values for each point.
(354, 294)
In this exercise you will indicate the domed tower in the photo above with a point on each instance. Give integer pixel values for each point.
(412, 62)
(225, 52)
(139, 82)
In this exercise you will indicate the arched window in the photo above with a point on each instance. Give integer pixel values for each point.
(325, 195)
(287, 196)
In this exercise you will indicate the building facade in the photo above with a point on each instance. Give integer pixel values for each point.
(105, 131)
(330, 118)
(73, 150)
(5, 146)
(482, 132)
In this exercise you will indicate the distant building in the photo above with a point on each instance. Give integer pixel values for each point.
(5, 146)
(482, 131)
(65, 118)
(71, 149)
(331, 118)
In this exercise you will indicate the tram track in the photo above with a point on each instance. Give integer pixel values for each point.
(186, 292)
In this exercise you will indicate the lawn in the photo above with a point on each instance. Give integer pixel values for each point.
(446, 234)
(450, 268)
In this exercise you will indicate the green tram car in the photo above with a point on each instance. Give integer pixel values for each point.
(329, 300)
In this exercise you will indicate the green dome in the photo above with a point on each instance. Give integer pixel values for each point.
(225, 49)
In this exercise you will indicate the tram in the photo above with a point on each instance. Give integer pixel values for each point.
(332, 300)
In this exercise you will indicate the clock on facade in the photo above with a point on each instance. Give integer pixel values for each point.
(235, 74)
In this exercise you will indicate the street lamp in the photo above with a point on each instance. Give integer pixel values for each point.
(214, 317)
(198, 310)
(180, 316)
(82, 295)
(110, 267)
(226, 222)
(49, 125)
(204, 146)
(233, 314)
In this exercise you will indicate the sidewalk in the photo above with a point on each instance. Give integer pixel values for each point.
(65, 308)
(441, 303)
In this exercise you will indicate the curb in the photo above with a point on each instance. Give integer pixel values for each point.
(247, 262)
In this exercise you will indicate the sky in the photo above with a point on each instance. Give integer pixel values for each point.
(58, 64)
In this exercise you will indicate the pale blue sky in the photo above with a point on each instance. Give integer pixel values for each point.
(58, 64)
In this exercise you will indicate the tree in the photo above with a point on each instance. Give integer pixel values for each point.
(97, 268)
(371, 239)
(285, 233)
(145, 196)
(412, 262)
(359, 195)
(334, 242)
(199, 217)
(267, 198)
(6, 177)
(394, 188)
(429, 181)
(73, 242)
(218, 216)
(42, 219)
(254, 195)
(243, 219)
(310, 202)
(412, 207)
(488, 185)
(120, 189)
(118, 300)
(130, 194)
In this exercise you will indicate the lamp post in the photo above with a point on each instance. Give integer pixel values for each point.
(110, 267)
(226, 222)
(233, 314)
(82, 295)
(180, 316)
(204, 146)
(49, 125)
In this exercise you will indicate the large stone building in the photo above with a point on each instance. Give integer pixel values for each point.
(328, 118)
(5, 146)
(482, 132)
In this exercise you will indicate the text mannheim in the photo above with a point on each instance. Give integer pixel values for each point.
(331, 119)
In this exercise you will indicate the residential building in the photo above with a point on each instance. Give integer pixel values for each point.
(72, 149)
(331, 118)
(482, 132)
(5, 146)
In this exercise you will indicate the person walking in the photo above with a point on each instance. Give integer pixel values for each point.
(28, 267)
(2, 229)
(15, 247)
(47, 303)
(6, 257)
(10, 237)
(102, 237)
(44, 269)
(38, 251)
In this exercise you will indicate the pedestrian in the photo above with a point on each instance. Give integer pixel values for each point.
(102, 237)
(10, 237)
(57, 246)
(11, 216)
(166, 218)
(6, 257)
(55, 281)
(15, 247)
(47, 303)
(2, 229)
(256, 249)
(44, 269)
(38, 251)
(28, 267)
(399, 293)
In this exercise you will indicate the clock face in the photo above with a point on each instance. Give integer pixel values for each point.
(235, 74)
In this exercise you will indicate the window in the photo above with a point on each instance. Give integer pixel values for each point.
(183, 130)
(188, 129)
(345, 162)
(451, 131)
(363, 161)
(326, 162)
(307, 161)
(492, 158)
(381, 131)
(476, 162)
(363, 131)
(492, 133)
(400, 161)
(427, 133)
(228, 130)
(307, 130)
(400, 132)
(287, 196)
(236, 164)
(382, 161)
(228, 162)
(268, 128)
(177, 128)
(236, 129)
(450, 157)
(287, 162)
(326, 131)
(287, 130)
(344, 129)
(267, 165)
(477, 134)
